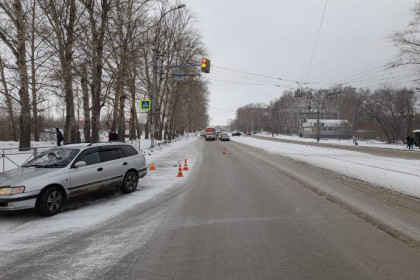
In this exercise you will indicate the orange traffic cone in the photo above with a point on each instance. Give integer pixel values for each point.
(224, 151)
(185, 165)
(180, 171)
(152, 167)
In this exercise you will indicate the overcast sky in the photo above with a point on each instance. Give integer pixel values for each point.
(276, 38)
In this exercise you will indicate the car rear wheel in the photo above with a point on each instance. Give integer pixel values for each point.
(50, 201)
(130, 182)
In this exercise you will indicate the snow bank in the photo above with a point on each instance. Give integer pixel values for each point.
(401, 175)
(343, 142)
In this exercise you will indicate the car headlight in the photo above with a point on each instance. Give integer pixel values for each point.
(14, 190)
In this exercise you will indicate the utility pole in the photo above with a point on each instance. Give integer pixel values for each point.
(317, 124)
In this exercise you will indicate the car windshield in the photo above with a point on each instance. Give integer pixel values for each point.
(53, 158)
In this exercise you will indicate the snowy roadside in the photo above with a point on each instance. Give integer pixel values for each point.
(341, 142)
(11, 157)
(26, 229)
(400, 175)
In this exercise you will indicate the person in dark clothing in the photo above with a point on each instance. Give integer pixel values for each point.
(411, 143)
(113, 136)
(407, 140)
(60, 137)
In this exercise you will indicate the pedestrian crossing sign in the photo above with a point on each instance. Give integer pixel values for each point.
(145, 105)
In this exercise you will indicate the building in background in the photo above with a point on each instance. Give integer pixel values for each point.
(339, 129)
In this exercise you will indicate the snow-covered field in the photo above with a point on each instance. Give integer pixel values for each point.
(342, 142)
(19, 230)
(400, 175)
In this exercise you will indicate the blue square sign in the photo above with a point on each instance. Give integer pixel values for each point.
(145, 105)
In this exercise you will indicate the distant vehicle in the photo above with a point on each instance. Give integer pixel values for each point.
(49, 179)
(202, 133)
(237, 133)
(210, 134)
(224, 137)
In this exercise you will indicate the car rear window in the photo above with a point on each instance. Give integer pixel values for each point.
(129, 151)
(110, 154)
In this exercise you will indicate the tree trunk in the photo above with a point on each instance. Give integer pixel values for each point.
(115, 113)
(70, 127)
(33, 79)
(139, 132)
(122, 96)
(121, 118)
(146, 130)
(86, 111)
(133, 112)
(25, 115)
(98, 44)
(9, 102)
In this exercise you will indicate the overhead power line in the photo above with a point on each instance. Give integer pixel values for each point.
(220, 109)
(267, 76)
(316, 41)
(385, 66)
(390, 73)
(243, 83)
(387, 74)
(245, 76)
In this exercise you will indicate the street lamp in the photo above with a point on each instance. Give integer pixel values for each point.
(155, 67)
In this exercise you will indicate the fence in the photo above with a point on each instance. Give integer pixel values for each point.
(12, 157)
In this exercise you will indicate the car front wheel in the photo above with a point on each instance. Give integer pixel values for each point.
(130, 182)
(50, 201)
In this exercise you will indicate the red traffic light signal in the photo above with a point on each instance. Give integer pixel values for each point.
(205, 65)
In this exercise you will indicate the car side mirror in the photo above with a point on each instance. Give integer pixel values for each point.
(80, 164)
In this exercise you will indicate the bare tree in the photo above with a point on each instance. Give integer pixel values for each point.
(408, 40)
(392, 109)
(85, 97)
(14, 37)
(39, 54)
(9, 102)
(61, 17)
(98, 19)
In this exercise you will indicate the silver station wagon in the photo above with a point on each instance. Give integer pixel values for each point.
(58, 173)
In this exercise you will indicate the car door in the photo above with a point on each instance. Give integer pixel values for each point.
(113, 164)
(135, 160)
(88, 177)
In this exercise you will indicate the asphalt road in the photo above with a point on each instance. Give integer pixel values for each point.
(236, 217)
(384, 152)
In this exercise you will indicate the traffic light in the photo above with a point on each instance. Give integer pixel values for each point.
(205, 65)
